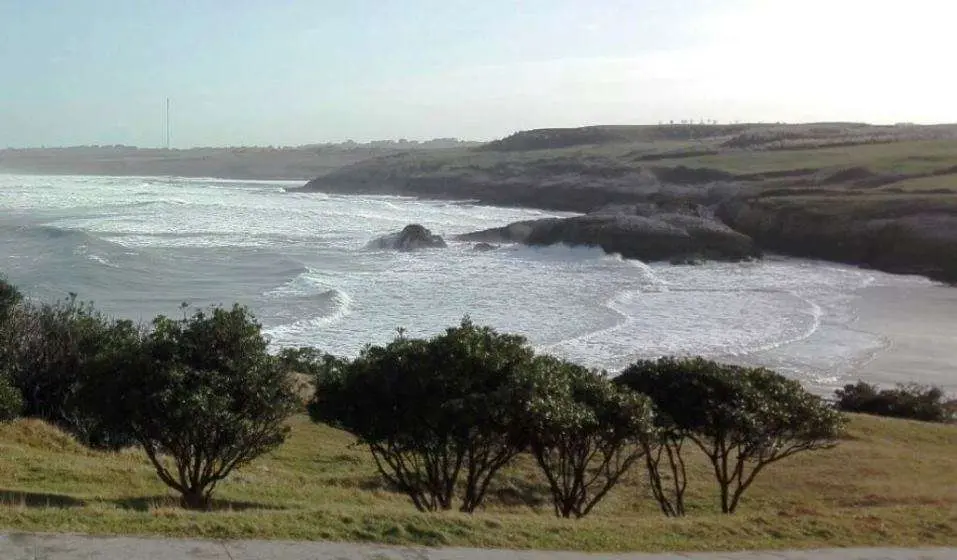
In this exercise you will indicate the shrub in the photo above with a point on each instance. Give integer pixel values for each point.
(584, 432)
(10, 297)
(11, 401)
(916, 402)
(201, 395)
(431, 411)
(743, 419)
(49, 351)
(305, 360)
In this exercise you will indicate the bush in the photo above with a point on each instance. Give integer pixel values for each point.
(584, 432)
(304, 360)
(11, 401)
(10, 297)
(431, 411)
(743, 419)
(49, 351)
(201, 395)
(916, 402)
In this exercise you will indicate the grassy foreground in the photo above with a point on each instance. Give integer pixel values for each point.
(891, 482)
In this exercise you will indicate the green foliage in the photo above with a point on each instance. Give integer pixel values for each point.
(11, 401)
(743, 419)
(10, 297)
(49, 352)
(433, 411)
(583, 431)
(202, 396)
(913, 401)
(305, 360)
(651, 378)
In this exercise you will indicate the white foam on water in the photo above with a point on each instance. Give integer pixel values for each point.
(296, 259)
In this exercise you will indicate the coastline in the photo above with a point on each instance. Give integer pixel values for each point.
(920, 325)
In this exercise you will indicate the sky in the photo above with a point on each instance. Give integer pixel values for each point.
(290, 72)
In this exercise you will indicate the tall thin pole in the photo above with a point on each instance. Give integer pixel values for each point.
(169, 178)
(167, 123)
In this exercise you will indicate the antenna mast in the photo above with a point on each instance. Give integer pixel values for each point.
(167, 123)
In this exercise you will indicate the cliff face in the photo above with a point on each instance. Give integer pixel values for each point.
(899, 239)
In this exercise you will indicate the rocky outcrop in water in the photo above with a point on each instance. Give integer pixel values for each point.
(648, 232)
(484, 247)
(412, 238)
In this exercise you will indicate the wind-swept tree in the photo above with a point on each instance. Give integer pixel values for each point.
(743, 419)
(584, 432)
(434, 413)
(202, 396)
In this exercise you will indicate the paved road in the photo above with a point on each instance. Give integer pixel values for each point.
(71, 547)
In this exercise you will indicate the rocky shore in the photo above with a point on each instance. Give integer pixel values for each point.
(878, 197)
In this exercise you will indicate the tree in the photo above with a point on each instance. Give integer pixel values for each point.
(653, 378)
(743, 419)
(431, 411)
(584, 432)
(202, 396)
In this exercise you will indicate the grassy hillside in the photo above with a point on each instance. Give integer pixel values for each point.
(891, 482)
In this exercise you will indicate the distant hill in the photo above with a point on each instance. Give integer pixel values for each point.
(732, 135)
(295, 163)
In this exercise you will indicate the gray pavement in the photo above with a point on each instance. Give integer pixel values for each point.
(21, 546)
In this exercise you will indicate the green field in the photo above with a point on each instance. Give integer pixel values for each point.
(890, 482)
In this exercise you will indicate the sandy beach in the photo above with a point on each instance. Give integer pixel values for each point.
(920, 326)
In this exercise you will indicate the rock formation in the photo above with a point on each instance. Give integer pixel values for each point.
(647, 232)
(412, 237)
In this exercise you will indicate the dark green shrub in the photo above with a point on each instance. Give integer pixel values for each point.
(743, 419)
(305, 360)
(49, 351)
(434, 413)
(584, 432)
(913, 401)
(10, 297)
(201, 395)
(11, 401)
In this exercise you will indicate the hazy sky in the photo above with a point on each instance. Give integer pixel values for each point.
(301, 71)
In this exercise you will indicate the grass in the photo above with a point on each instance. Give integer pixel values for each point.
(891, 482)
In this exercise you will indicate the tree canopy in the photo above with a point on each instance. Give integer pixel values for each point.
(202, 396)
(742, 418)
(431, 411)
(584, 432)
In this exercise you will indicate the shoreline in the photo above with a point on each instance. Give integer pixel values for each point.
(920, 326)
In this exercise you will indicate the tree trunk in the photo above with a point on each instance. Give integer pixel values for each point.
(195, 499)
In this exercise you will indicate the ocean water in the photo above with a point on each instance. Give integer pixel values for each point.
(138, 247)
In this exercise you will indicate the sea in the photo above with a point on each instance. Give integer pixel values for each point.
(137, 247)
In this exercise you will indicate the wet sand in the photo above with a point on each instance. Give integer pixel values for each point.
(920, 327)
